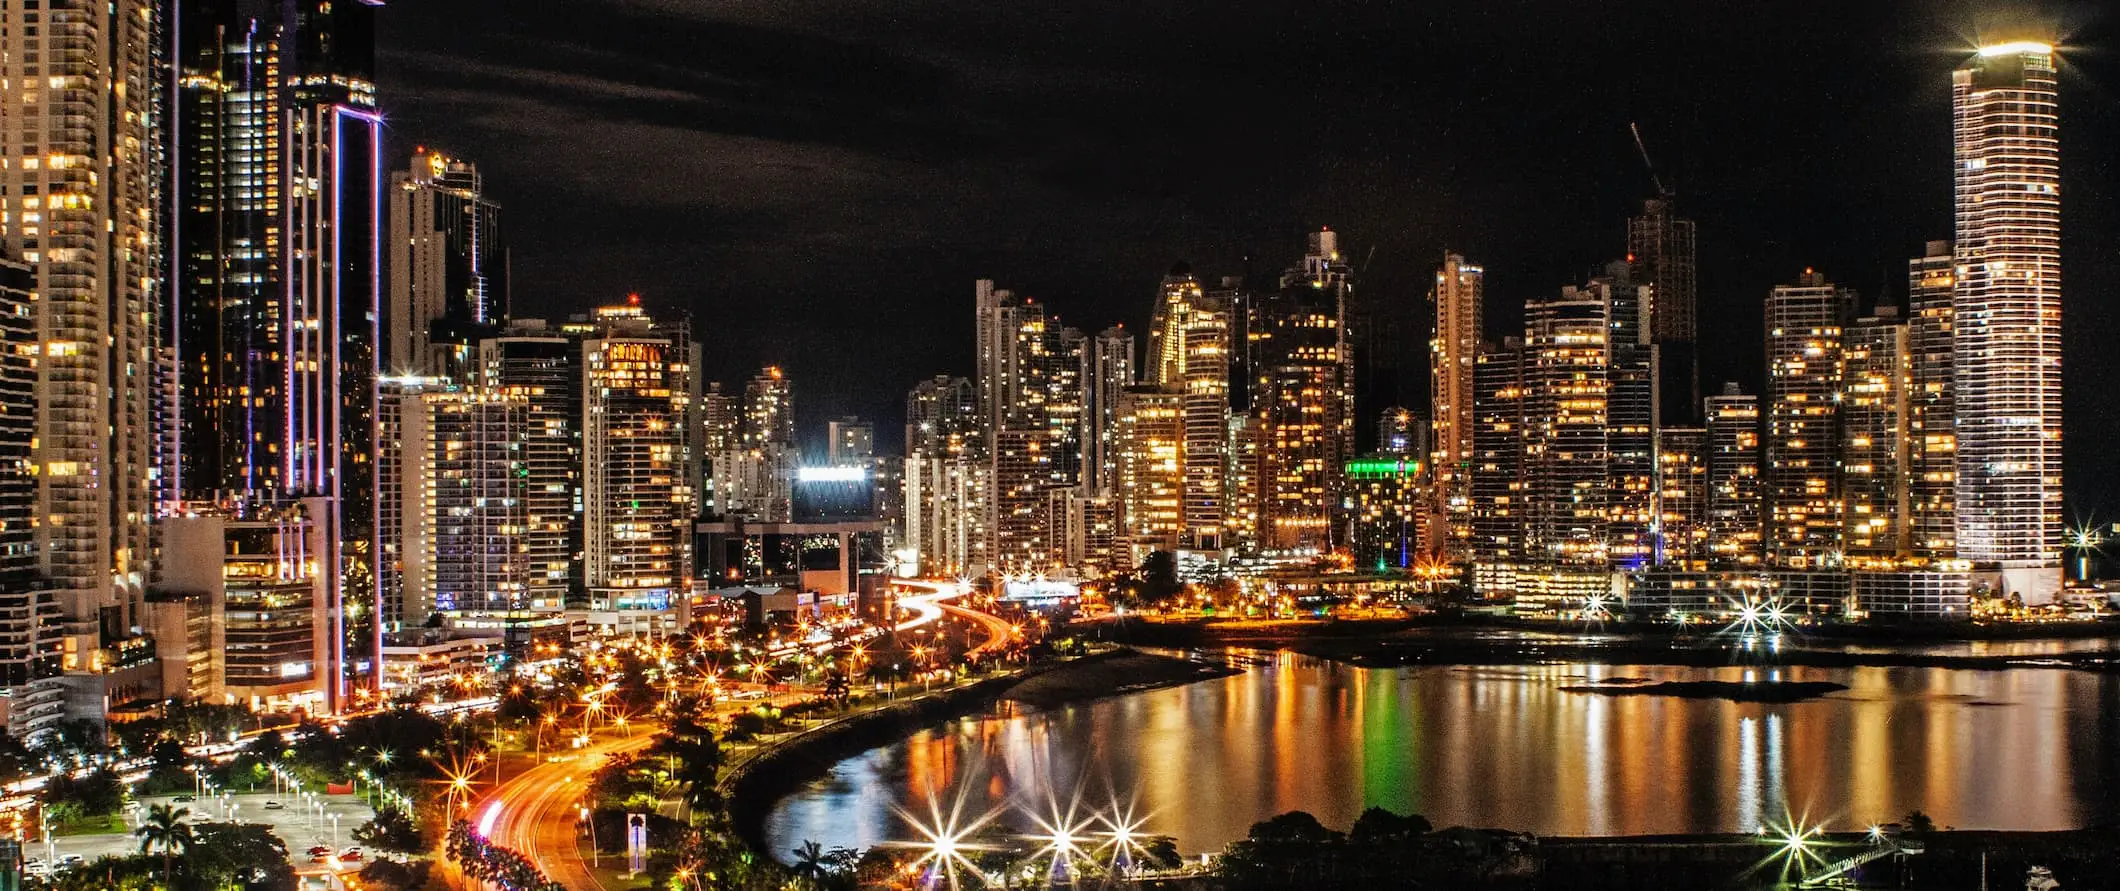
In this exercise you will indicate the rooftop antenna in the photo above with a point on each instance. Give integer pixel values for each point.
(1661, 192)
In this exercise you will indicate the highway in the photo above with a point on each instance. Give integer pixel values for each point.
(928, 606)
(933, 605)
(535, 811)
(538, 809)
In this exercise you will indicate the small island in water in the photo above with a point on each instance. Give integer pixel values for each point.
(1734, 691)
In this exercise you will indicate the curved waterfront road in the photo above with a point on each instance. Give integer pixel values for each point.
(538, 808)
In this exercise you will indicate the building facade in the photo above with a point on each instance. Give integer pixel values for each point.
(2006, 317)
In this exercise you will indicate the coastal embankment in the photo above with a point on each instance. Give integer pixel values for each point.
(753, 785)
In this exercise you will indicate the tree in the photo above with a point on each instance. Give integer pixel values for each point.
(812, 863)
(1379, 826)
(836, 687)
(165, 828)
(1919, 823)
(71, 798)
(694, 759)
(246, 855)
(392, 830)
(1159, 577)
(1289, 850)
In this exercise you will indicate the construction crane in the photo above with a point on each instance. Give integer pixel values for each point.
(1642, 147)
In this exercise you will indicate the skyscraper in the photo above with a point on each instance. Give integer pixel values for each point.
(1661, 245)
(1111, 371)
(637, 496)
(28, 618)
(1803, 443)
(1567, 404)
(1876, 441)
(1459, 297)
(275, 280)
(531, 361)
(1631, 415)
(1189, 349)
(1933, 445)
(1303, 398)
(1682, 533)
(448, 268)
(1151, 491)
(1499, 498)
(754, 475)
(2006, 317)
(82, 206)
(1736, 500)
(945, 478)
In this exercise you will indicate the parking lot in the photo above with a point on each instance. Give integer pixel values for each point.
(294, 821)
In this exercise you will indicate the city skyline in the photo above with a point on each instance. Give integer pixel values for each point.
(1774, 188)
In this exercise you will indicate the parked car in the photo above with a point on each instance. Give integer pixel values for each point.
(275, 806)
(183, 799)
(351, 854)
(320, 851)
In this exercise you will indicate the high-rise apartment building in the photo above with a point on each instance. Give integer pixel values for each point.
(531, 361)
(1631, 416)
(1805, 342)
(2006, 316)
(754, 475)
(1303, 398)
(1682, 530)
(1933, 445)
(1661, 245)
(28, 618)
(1189, 350)
(1736, 489)
(945, 479)
(81, 203)
(1459, 297)
(1568, 451)
(1500, 488)
(637, 492)
(448, 268)
(1877, 375)
(1151, 490)
(1111, 371)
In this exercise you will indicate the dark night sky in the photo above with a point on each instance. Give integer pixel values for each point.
(821, 181)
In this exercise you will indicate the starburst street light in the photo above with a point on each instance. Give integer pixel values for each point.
(1063, 836)
(1122, 848)
(2087, 541)
(1797, 846)
(944, 842)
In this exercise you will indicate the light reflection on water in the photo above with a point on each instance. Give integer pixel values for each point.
(1504, 746)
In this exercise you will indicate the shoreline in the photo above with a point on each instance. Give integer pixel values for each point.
(757, 785)
(1395, 643)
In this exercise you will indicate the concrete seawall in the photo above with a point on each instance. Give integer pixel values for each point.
(755, 784)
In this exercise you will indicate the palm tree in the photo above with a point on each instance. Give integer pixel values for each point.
(164, 827)
(812, 864)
